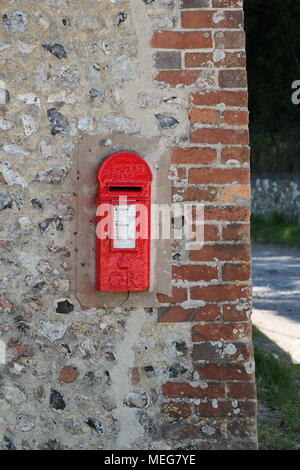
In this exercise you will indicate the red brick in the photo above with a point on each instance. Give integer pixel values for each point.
(199, 59)
(5, 305)
(185, 390)
(220, 136)
(212, 351)
(199, 155)
(214, 98)
(229, 213)
(175, 314)
(222, 253)
(230, 40)
(195, 3)
(247, 408)
(235, 194)
(176, 410)
(221, 293)
(241, 154)
(20, 348)
(68, 374)
(182, 40)
(207, 313)
(179, 294)
(206, 59)
(225, 408)
(204, 116)
(167, 60)
(181, 173)
(195, 273)
(232, 59)
(235, 118)
(205, 19)
(211, 233)
(239, 430)
(182, 431)
(219, 175)
(233, 78)
(179, 314)
(235, 313)
(207, 410)
(223, 371)
(216, 332)
(227, 3)
(5, 244)
(236, 232)
(236, 272)
(241, 390)
(197, 194)
(178, 77)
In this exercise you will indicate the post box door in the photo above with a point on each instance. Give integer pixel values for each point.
(123, 224)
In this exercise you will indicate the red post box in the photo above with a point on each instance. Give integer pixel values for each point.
(123, 223)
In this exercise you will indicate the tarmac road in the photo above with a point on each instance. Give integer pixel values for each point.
(276, 295)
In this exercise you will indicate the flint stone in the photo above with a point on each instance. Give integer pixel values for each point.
(59, 124)
(57, 50)
(52, 330)
(94, 424)
(13, 395)
(4, 96)
(29, 124)
(43, 226)
(51, 176)
(5, 124)
(11, 177)
(25, 224)
(25, 423)
(64, 306)
(15, 21)
(96, 94)
(136, 400)
(6, 201)
(166, 122)
(73, 427)
(15, 150)
(46, 150)
(56, 400)
(29, 98)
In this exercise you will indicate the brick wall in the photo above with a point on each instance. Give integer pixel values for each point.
(79, 81)
(212, 286)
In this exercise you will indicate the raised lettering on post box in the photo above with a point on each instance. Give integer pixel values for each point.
(123, 223)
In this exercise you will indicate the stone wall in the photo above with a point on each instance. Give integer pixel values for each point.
(276, 193)
(77, 77)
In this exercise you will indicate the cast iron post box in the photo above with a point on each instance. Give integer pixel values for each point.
(123, 223)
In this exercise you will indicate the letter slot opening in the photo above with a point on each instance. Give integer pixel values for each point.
(125, 188)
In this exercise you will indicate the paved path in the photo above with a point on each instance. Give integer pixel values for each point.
(276, 280)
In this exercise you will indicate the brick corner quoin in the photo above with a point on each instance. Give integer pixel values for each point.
(206, 53)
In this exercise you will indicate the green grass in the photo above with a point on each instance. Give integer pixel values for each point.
(275, 228)
(278, 387)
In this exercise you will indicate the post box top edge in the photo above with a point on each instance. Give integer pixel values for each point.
(119, 164)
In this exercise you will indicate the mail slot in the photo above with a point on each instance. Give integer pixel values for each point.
(123, 223)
